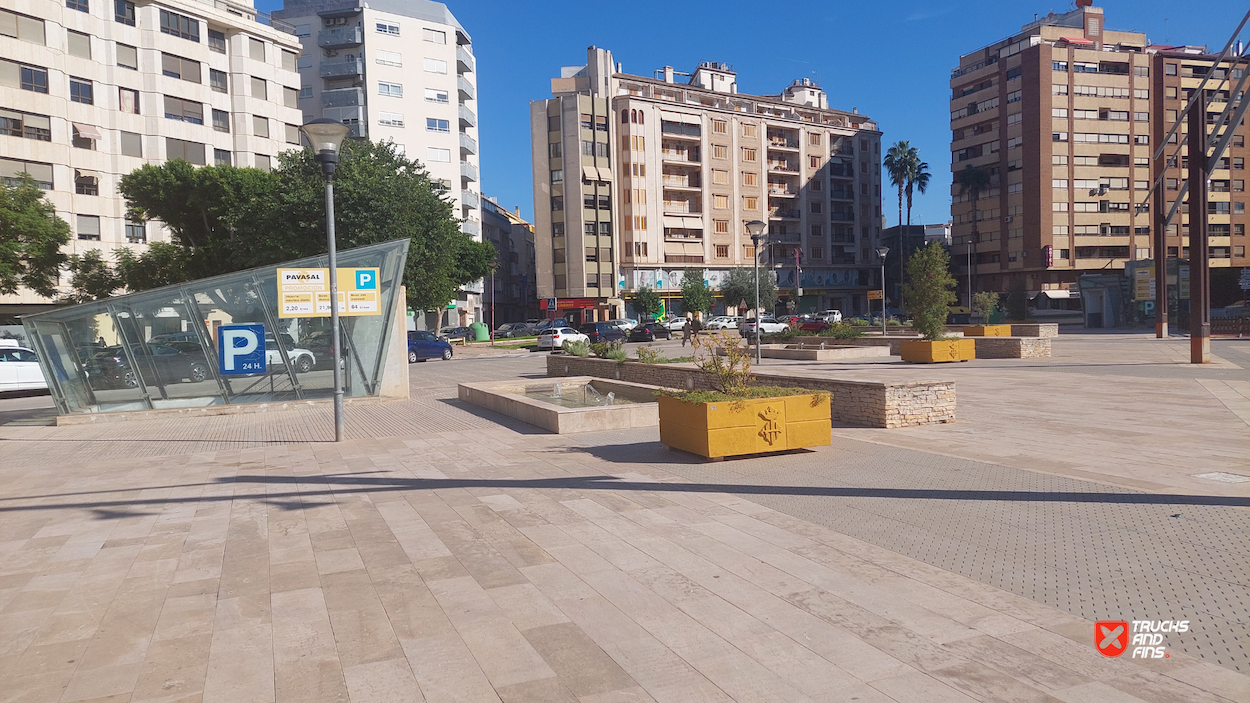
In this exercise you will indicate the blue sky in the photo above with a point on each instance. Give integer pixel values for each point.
(847, 47)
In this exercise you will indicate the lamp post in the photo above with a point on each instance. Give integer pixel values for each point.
(882, 251)
(493, 265)
(326, 137)
(756, 229)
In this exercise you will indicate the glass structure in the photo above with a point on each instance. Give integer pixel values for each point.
(158, 349)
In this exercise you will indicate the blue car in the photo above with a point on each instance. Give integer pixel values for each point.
(424, 345)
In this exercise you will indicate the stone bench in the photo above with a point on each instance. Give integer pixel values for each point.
(1012, 347)
(862, 403)
(1035, 329)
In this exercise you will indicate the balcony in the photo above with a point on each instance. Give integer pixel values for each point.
(781, 191)
(470, 228)
(682, 207)
(682, 259)
(779, 142)
(468, 145)
(470, 199)
(690, 181)
(468, 171)
(340, 37)
(842, 194)
(784, 214)
(782, 167)
(465, 63)
(842, 216)
(343, 97)
(466, 89)
(688, 156)
(467, 117)
(343, 69)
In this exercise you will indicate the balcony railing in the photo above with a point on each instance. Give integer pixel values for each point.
(465, 63)
(681, 207)
(468, 118)
(783, 166)
(781, 192)
(471, 228)
(342, 69)
(468, 145)
(842, 194)
(681, 181)
(682, 259)
(784, 214)
(343, 97)
(468, 170)
(470, 199)
(340, 37)
(842, 216)
(782, 143)
(689, 156)
(467, 91)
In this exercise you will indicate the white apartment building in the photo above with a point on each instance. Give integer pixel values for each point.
(92, 89)
(403, 71)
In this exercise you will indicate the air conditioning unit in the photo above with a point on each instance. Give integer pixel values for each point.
(331, 53)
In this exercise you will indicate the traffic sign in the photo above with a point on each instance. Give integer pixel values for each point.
(874, 295)
(240, 349)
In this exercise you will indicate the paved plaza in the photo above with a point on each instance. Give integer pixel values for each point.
(446, 553)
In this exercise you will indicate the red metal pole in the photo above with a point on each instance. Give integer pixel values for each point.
(1199, 263)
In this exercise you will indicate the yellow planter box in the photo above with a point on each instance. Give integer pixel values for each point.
(926, 352)
(988, 331)
(733, 428)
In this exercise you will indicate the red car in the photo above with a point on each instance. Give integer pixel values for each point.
(809, 324)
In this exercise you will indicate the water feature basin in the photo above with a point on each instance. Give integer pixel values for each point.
(571, 404)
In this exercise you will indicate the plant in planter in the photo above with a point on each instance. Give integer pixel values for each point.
(985, 304)
(736, 416)
(929, 296)
(576, 348)
(609, 350)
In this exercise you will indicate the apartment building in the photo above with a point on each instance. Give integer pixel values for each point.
(403, 71)
(1065, 116)
(510, 296)
(668, 171)
(92, 89)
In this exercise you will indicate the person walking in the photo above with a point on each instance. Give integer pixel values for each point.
(687, 331)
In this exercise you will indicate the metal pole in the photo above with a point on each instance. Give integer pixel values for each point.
(334, 311)
(883, 297)
(1161, 267)
(758, 331)
(492, 306)
(1199, 264)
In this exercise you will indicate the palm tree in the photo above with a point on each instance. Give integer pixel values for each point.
(918, 179)
(897, 164)
(971, 181)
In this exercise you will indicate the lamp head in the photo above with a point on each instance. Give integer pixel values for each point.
(756, 228)
(882, 251)
(326, 137)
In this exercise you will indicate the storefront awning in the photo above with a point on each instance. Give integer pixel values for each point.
(1077, 40)
(86, 131)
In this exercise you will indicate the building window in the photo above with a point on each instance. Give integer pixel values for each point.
(184, 110)
(89, 228)
(720, 127)
(720, 202)
(1059, 66)
(187, 151)
(720, 177)
(136, 232)
(750, 203)
(814, 208)
(437, 155)
(1059, 184)
(86, 185)
(80, 91)
(20, 124)
(1059, 137)
(388, 28)
(131, 144)
(218, 80)
(217, 41)
(128, 100)
(390, 58)
(748, 154)
(256, 49)
(394, 90)
(179, 25)
(557, 203)
(435, 66)
(390, 119)
(221, 121)
(31, 78)
(80, 5)
(434, 36)
(259, 89)
(292, 134)
(750, 178)
(124, 12)
(178, 67)
(79, 44)
(555, 150)
(1169, 69)
(813, 162)
(722, 251)
(221, 157)
(436, 125)
(557, 176)
(127, 57)
(720, 226)
(263, 162)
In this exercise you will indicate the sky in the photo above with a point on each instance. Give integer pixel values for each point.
(889, 58)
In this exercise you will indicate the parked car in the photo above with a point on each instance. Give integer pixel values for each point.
(649, 332)
(675, 324)
(547, 324)
(553, 338)
(624, 323)
(424, 345)
(724, 322)
(829, 315)
(602, 332)
(19, 370)
(302, 360)
(809, 324)
(513, 329)
(112, 368)
(450, 333)
(175, 337)
(767, 325)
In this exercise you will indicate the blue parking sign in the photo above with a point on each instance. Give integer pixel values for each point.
(366, 280)
(241, 349)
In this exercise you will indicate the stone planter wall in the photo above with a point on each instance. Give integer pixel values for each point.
(862, 403)
(1035, 329)
(1013, 347)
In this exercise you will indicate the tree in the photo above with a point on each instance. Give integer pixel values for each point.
(91, 277)
(31, 237)
(917, 180)
(738, 288)
(930, 292)
(897, 165)
(647, 302)
(985, 304)
(972, 181)
(224, 219)
(695, 294)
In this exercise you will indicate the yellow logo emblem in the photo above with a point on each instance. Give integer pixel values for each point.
(771, 429)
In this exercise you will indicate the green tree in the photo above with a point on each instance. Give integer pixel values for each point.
(648, 302)
(972, 181)
(985, 304)
(91, 277)
(738, 288)
(695, 294)
(930, 292)
(31, 237)
(909, 174)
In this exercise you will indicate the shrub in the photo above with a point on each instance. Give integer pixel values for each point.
(930, 293)
(859, 322)
(576, 348)
(726, 360)
(985, 304)
(842, 330)
(648, 355)
(606, 350)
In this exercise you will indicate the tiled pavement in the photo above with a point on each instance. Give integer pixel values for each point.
(466, 558)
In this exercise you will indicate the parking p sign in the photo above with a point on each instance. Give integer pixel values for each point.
(241, 349)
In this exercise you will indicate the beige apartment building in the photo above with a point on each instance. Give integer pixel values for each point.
(637, 179)
(92, 89)
(1066, 116)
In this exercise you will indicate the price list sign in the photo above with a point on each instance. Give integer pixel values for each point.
(306, 292)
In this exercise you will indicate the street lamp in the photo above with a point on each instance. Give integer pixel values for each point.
(756, 228)
(493, 265)
(881, 251)
(326, 137)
